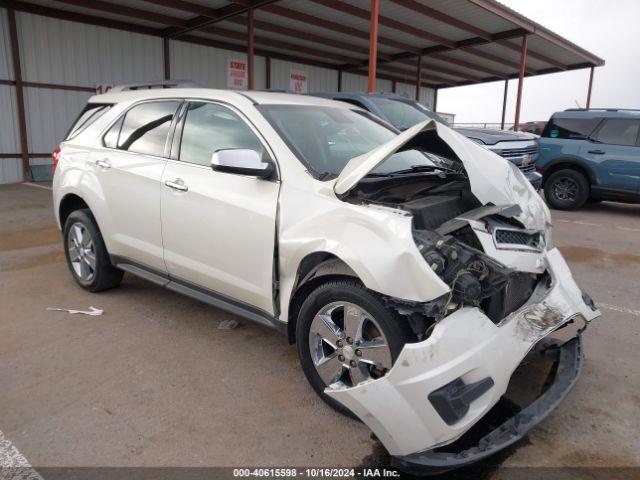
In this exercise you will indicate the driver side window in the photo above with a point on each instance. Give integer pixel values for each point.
(209, 127)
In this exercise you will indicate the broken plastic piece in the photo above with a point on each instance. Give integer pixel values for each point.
(227, 324)
(93, 311)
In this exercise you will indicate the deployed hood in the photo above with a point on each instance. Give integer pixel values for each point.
(493, 179)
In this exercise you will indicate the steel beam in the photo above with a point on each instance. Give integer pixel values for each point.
(17, 75)
(250, 59)
(442, 17)
(504, 103)
(166, 56)
(590, 86)
(418, 77)
(337, 27)
(373, 45)
(267, 75)
(523, 61)
(405, 28)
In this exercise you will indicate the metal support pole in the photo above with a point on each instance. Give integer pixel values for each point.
(523, 61)
(393, 86)
(250, 69)
(435, 100)
(17, 75)
(373, 45)
(339, 80)
(418, 77)
(504, 103)
(267, 73)
(590, 86)
(166, 57)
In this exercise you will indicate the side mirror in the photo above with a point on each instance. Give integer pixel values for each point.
(241, 161)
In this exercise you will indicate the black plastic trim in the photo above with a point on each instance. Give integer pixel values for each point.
(199, 293)
(452, 401)
(569, 368)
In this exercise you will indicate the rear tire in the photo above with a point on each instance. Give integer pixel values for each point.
(566, 189)
(86, 254)
(369, 354)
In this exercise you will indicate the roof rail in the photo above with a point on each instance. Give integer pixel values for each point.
(156, 84)
(602, 109)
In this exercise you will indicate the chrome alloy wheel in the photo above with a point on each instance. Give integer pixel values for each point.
(347, 345)
(82, 255)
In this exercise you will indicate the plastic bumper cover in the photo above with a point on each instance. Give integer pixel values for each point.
(466, 346)
(567, 373)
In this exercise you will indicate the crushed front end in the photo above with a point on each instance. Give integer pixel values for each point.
(440, 387)
(486, 234)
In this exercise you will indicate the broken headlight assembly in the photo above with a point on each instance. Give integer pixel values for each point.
(470, 273)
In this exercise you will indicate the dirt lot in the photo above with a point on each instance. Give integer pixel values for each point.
(154, 382)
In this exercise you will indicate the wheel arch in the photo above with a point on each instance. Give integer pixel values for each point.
(570, 163)
(314, 270)
(70, 203)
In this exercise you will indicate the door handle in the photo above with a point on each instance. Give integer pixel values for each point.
(177, 184)
(596, 152)
(103, 163)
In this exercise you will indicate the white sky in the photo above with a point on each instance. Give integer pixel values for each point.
(607, 28)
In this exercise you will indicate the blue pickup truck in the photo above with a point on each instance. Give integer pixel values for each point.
(588, 155)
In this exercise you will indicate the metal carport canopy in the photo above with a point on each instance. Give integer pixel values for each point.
(427, 43)
(461, 42)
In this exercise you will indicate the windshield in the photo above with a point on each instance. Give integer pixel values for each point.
(326, 138)
(403, 114)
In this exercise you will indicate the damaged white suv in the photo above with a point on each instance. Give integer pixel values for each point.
(414, 271)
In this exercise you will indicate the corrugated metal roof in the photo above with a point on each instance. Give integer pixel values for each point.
(463, 41)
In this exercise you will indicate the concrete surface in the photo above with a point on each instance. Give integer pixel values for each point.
(153, 382)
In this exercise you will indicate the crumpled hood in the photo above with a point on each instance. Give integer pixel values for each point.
(493, 179)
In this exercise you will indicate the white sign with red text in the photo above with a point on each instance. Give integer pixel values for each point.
(299, 81)
(236, 74)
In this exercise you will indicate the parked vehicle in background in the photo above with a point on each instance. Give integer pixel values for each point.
(413, 271)
(531, 127)
(520, 149)
(590, 155)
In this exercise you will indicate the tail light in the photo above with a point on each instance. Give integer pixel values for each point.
(55, 156)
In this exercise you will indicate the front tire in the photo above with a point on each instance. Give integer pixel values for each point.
(345, 335)
(86, 254)
(566, 189)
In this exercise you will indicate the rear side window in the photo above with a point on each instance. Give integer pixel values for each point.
(618, 131)
(570, 128)
(89, 114)
(144, 128)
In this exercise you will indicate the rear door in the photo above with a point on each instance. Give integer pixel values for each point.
(218, 228)
(129, 167)
(614, 148)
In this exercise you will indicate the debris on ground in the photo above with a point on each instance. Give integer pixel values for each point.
(93, 311)
(227, 324)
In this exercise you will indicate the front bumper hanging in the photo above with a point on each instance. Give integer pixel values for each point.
(568, 370)
(439, 388)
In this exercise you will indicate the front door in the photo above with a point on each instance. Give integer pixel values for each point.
(219, 228)
(128, 166)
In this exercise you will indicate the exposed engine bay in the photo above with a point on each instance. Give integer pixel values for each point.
(446, 216)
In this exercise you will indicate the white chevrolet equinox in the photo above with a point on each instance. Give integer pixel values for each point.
(414, 271)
